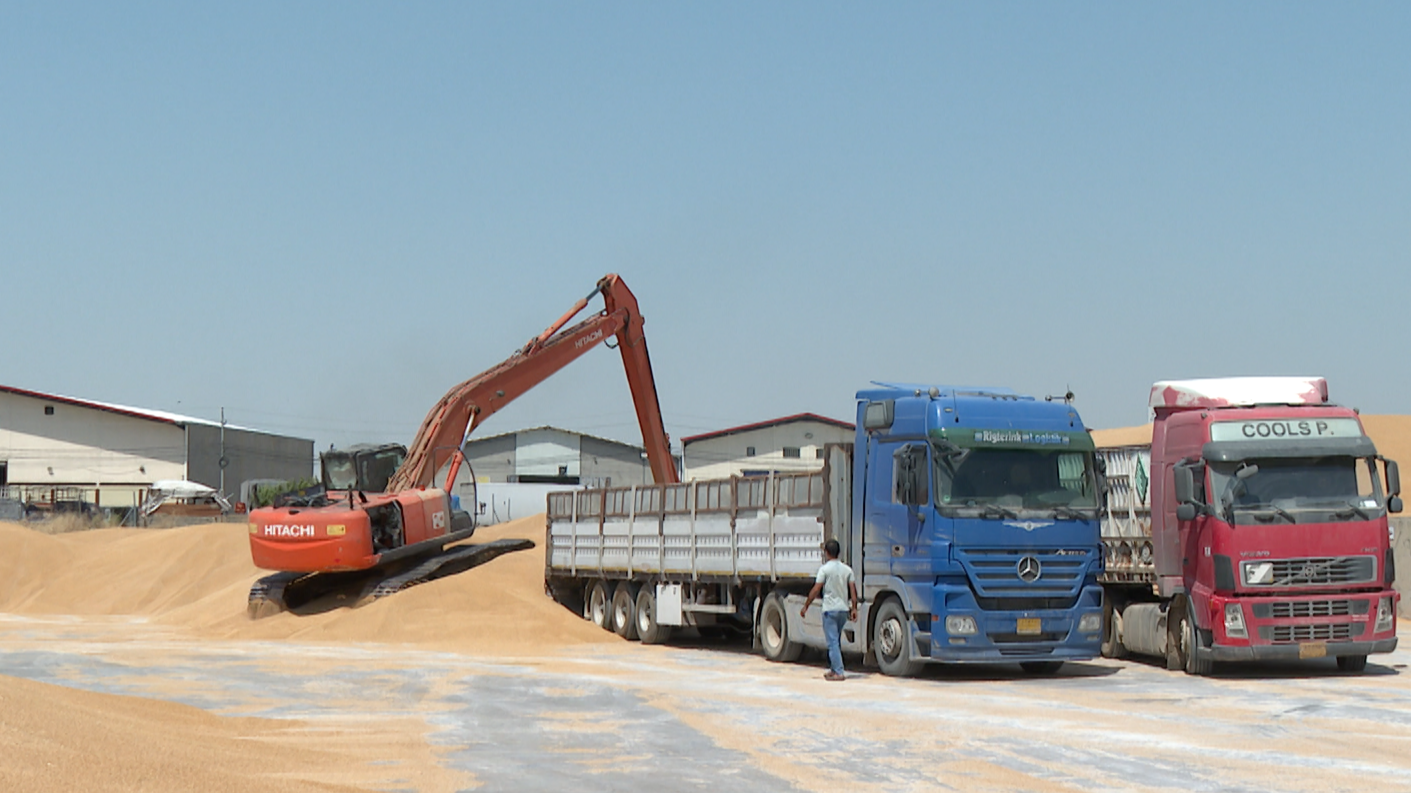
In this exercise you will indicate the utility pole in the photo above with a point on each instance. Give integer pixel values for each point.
(222, 462)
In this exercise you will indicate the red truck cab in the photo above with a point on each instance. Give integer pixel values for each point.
(1269, 524)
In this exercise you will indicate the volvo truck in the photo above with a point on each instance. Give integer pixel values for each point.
(1253, 526)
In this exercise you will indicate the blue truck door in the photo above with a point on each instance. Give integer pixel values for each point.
(898, 541)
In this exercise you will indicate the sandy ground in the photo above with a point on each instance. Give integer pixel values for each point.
(129, 664)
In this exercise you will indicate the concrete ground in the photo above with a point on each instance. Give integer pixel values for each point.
(698, 716)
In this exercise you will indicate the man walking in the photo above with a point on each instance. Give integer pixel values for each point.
(835, 582)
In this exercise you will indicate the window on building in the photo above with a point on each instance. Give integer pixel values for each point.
(818, 453)
(48, 410)
(791, 451)
(749, 451)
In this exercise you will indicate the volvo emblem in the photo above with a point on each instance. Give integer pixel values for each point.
(1028, 525)
(1029, 569)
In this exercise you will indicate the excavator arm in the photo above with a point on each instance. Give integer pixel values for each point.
(466, 406)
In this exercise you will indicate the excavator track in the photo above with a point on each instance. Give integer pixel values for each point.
(450, 562)
(292, 591)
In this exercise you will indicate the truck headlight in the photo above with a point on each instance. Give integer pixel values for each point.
(1090, 623)
(1257, 573)
(1234, 621)
(1385, 617)
(961, 626)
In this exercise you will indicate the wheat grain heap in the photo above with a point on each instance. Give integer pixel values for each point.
(196, 580)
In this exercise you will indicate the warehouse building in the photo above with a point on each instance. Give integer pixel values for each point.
(791, 443)
(56, 448)
(515, 471)
(553, 456)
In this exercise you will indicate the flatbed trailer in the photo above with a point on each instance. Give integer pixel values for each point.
(644, 560)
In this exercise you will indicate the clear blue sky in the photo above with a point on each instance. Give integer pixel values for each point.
(320, 216)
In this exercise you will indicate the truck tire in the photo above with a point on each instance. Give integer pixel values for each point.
(1041, 667)
(1193, 662)
(648, 629)
(624, 611)
(1352, 663)
(774, 631)
(600, 605)
(891, 641)
(1112, 646)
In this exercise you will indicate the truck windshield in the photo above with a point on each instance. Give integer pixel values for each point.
(1295, 490)
(1014, 479)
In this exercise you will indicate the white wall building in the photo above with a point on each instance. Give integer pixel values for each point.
(56, 448)
(791, 443)
(549, 455)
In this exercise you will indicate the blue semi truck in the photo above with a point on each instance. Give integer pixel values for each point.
(970, 516)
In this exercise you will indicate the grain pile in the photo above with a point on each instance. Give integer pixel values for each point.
(56, 738)
(198, 578)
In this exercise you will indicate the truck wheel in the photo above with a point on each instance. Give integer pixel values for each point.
(1352, 663)
(624, 611)
(600, 605)
(1194, 663)
(1040, 667)
(774, 631)
(1112, 646)
(648, 629)
(891, 641)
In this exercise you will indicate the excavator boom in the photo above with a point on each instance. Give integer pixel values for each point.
(469, 404)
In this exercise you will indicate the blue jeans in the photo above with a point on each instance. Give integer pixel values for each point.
(833, 631)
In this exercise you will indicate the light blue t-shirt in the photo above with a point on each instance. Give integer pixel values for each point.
(834, 576)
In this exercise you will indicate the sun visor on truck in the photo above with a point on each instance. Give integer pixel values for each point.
(1234, 451)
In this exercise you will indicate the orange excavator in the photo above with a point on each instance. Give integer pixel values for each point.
(377, 524)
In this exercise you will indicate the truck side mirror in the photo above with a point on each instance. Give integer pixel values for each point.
(912, 479)
(1394, 504)
(1393, 477)
(1184, 487)
(1100, 471)
(1184, 484)
(922, 487)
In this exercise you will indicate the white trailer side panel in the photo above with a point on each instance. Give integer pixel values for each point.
(758, 528)
(1126, 523)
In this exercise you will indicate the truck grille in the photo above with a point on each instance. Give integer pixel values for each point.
(1310, 633)
(995, 572)
(1310, 608)
(1326, 570)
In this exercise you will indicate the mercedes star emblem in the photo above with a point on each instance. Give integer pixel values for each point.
(1029, 569)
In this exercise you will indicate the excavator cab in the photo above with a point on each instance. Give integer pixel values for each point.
(366, 467)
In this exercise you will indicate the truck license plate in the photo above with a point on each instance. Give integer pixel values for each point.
(1313, 650)
(1028, 625)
